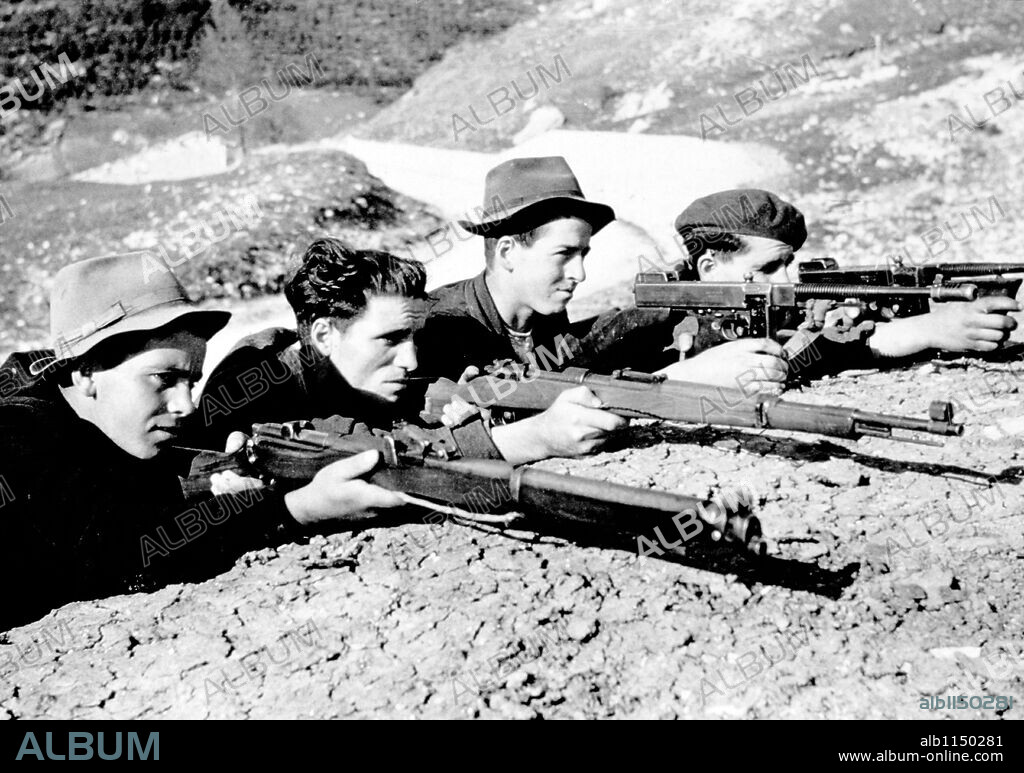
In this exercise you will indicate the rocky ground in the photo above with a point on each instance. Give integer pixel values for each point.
(892, 575)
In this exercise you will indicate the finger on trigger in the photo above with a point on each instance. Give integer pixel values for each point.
(1000, 321)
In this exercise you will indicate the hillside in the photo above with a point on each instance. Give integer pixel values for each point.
(235, 235)
(856, 95)
(143, 53)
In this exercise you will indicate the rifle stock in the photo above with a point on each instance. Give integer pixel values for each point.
(420, 462)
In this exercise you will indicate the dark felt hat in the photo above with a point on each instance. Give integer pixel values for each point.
(96, 299)
(521, 189)
(744, 211)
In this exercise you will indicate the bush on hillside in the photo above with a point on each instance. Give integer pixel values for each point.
(372, 44)
(126, 45)
(122, 44)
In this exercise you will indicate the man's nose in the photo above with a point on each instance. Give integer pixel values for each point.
(575, 271)
(405, 357)
(181, 403)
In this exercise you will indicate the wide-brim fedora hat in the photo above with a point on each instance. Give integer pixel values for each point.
(96, 299)
(522, 189)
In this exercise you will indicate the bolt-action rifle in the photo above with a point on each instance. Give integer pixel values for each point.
(513, 387)
(424, 463)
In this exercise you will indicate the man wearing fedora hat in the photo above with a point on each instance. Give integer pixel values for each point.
(537, 226)
(85, 459)
(750, 232)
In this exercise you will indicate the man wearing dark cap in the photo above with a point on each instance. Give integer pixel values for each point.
(92, 505)
(537, 227)
(747, 232)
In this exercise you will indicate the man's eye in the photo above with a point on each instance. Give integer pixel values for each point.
(166, 380)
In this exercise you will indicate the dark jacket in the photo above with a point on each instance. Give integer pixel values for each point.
(464, 328)
(83, 519)
(265, 378)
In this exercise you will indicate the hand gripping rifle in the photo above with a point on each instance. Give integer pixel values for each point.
(718, 312)
(634, 395)
(990, 279)
(424, 463)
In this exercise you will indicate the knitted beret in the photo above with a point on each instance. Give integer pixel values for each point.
(745, 211)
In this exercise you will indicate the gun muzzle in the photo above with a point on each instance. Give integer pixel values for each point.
(728, 517)
(736, 525)
(939, 422)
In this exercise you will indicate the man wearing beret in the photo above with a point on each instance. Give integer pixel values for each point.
(537, 226)
(747, 232)
(91, 501)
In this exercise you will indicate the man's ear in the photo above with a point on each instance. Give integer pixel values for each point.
(503, 250)
(84, 384)
(705, 265)
(320, 335)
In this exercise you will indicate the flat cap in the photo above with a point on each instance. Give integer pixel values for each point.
(745, 211)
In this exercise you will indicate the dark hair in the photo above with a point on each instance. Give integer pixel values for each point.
(336, 282)
(698, 243)
(523, 226)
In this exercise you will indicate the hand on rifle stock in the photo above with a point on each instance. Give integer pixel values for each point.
(574, 425)
(337, 494)
(750, 364)
(457, 411)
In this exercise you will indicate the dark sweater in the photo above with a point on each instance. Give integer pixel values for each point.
(83, 519)
(464, 328)
(265, 378)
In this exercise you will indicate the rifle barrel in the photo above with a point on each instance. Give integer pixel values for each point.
(851, 422)
(294, 454)
(953, 269)
(838, 292)
(593, 501)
